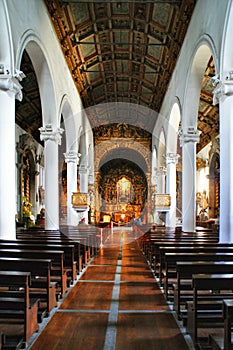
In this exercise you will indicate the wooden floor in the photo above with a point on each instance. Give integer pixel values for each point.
(116, 304)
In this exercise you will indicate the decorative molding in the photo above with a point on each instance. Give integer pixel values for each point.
(189, 134)
(26, 141)
(11, 82)
(161, 171)
(83, 169)
(72, 157)
(162, 202)
(80, 201)
(222, 88)
(171, 158)
(47, 133)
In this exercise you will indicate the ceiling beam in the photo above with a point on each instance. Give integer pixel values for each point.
(121, 43)
(174, 2)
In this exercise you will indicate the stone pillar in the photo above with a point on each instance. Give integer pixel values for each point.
(223, 94)
(161, 179)
(171, 161)
(188, 139)
(9, 90)
(160, 217)
(72, 160)
(83, 175)
(52, 138)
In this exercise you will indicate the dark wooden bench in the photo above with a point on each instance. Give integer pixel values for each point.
(72, 251)
(82, 252)
(19, 307)
(203, 314)
(70, 264)
(191, 249)
(41, 285)
(223, 341)
(182, 287)
(58, 272)
(158, 246)
(151, 248)
(170, 260)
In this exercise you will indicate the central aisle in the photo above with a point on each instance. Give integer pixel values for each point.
(115, 305)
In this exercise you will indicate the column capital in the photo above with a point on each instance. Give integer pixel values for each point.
(161, 171)
(11, 83)
(49, 133)
(222, 87)
(171, 158)
(72, 157)
(189, 134)
(83, 169)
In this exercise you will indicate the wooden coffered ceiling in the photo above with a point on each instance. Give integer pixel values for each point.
(120, 51)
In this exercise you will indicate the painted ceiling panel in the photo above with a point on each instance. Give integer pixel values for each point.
(122, 51)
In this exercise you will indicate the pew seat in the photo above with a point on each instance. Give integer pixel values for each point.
(200, 314)
(17, 309)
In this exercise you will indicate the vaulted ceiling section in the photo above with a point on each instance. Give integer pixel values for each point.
(120, 51)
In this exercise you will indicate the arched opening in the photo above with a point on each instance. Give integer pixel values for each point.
(123, 191)
(28, 119)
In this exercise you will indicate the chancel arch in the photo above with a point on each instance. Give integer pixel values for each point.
(123, 190)
(122, 161)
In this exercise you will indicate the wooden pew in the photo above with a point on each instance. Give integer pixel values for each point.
(185, 270)
(19, 307)
(80, 242)
(70, 264)
(150, 249)
(191, 249)
(159, 245)
(224, 341)
(58, 272)
(73, 257)
(170, 260)
(40, 269)
(203, 313)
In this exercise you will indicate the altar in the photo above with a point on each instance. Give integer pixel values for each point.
(120, 213)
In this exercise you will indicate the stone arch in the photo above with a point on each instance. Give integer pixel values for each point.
(224, 97)
(68, 124)
(161, 148)
(173, 127)
(138, 154)
(6, 46)
(26, 162)
(37, 53)
(153, 166)
(201, 55)
(214, 179)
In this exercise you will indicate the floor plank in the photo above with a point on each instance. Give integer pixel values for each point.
(115, 305)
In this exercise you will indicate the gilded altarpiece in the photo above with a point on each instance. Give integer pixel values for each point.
(122, 185)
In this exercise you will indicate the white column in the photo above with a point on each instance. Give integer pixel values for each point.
(171, 161)
(161, 179)
(188, 139)
(223, 94)
(72, 159)
(83, 175)
(161, 172)
(9, 90)
(51, 138)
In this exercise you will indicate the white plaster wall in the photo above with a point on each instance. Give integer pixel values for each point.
(30, 21)
(206, 26)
